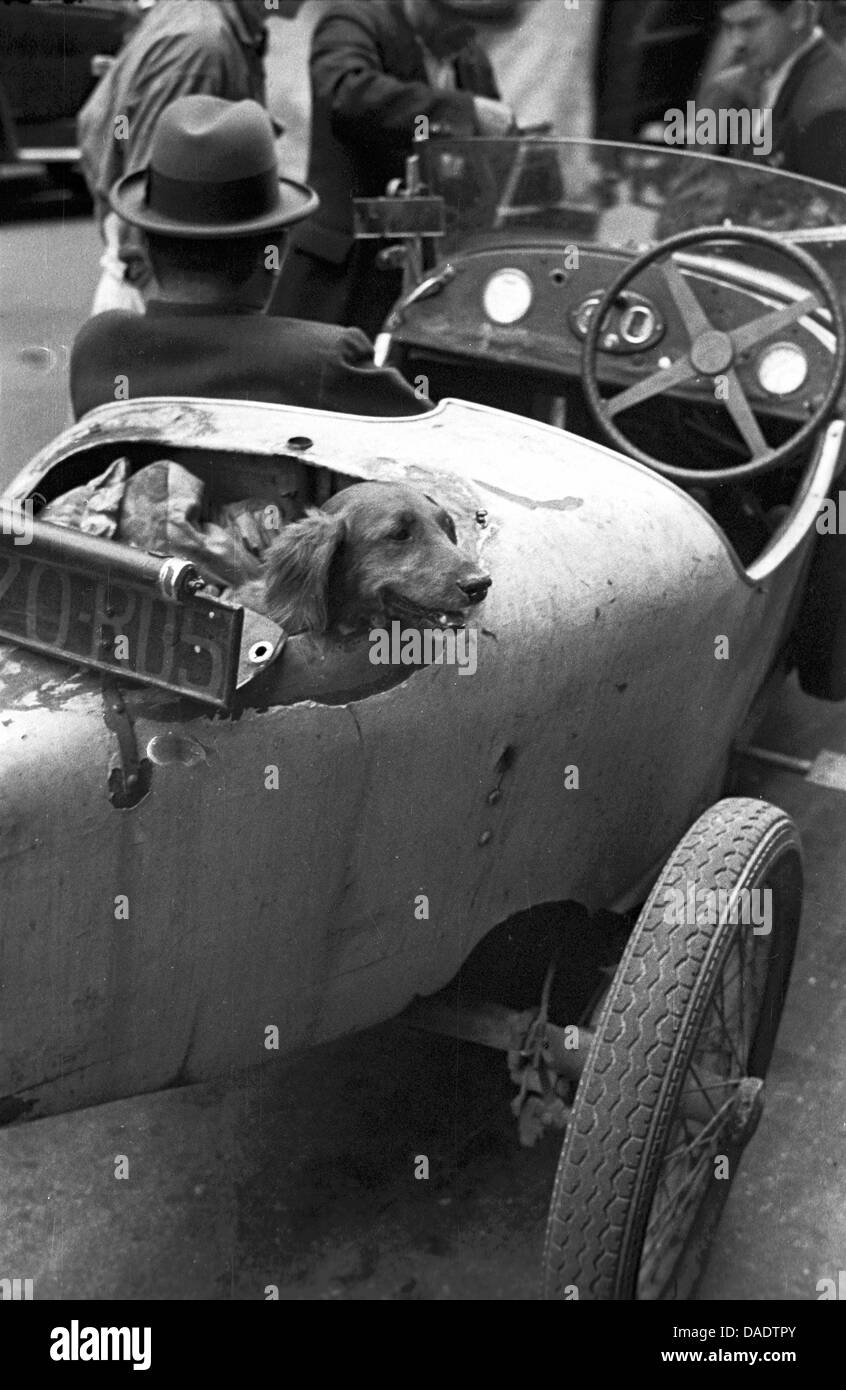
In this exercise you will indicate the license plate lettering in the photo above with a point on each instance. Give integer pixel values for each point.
(191, 647)
(155, 643)
(13, 569)
(206, 644)
(109, 614)
(42, 612)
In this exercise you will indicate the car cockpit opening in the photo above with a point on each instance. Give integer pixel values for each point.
(293, 581)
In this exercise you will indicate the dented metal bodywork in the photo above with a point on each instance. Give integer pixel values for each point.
(268, 869)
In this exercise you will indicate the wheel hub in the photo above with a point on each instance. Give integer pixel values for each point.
(712, 352)
(747, 1109)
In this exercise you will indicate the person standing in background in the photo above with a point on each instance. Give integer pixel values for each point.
(558, 93)
(787, 71)
(378, 67)
(181, 48)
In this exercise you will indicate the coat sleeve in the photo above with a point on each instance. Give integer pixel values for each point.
(360, 387)
(367, 103)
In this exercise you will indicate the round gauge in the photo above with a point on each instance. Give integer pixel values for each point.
(508, 296)
(782, 369)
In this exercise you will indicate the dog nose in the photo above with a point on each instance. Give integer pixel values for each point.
(476, 588)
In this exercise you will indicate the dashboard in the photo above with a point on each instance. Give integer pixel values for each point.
(529, 306)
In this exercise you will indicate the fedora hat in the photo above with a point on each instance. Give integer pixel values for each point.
(212, 173)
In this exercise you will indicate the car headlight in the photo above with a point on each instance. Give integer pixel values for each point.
(782, 369)
(508, 296)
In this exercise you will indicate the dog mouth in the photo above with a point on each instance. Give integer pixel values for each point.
(398, 606)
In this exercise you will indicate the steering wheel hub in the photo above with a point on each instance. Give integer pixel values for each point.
(712, 352)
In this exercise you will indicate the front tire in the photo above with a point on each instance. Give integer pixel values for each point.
(670, 1094)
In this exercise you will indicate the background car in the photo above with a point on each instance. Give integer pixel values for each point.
(48, 65)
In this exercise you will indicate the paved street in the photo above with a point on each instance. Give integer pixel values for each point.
(48, 271)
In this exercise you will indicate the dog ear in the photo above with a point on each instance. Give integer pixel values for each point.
(445, 521)
(298, 571)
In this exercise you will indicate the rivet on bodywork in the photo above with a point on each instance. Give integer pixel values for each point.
(485, 837)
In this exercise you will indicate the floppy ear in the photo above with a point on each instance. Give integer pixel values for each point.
(298, 570)
(445, 521)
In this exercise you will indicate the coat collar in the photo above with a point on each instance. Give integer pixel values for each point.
(816, 53)
(172, 308)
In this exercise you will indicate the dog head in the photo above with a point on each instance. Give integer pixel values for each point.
(372, 552)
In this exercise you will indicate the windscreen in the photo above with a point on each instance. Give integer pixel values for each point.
(620, 196)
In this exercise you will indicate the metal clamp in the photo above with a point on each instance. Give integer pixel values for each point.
(177, 577)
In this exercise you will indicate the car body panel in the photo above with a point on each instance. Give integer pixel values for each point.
(252, 908)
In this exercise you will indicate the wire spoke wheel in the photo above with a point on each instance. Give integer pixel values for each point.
(673, 1088)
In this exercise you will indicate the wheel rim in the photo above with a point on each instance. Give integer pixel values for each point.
(717, 1111)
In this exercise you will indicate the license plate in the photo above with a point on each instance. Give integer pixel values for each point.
(190, 647)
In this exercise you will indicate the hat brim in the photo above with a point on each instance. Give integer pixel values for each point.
(127, 198)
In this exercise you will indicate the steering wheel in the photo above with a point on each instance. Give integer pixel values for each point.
(714, 353)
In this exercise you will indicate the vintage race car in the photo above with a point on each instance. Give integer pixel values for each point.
(218, 837)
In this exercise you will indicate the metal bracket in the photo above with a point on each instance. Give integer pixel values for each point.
(117, 719)
(262, 641)
(542, 1062)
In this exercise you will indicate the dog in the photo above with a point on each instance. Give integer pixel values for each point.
(373, 552)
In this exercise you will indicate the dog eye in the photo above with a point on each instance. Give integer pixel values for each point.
(401, 533)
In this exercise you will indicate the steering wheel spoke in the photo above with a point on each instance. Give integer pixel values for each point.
(681, 371)
(695, 319)
(759, 329)
(737, 404)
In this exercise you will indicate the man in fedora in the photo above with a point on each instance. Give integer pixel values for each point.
(214, 213)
